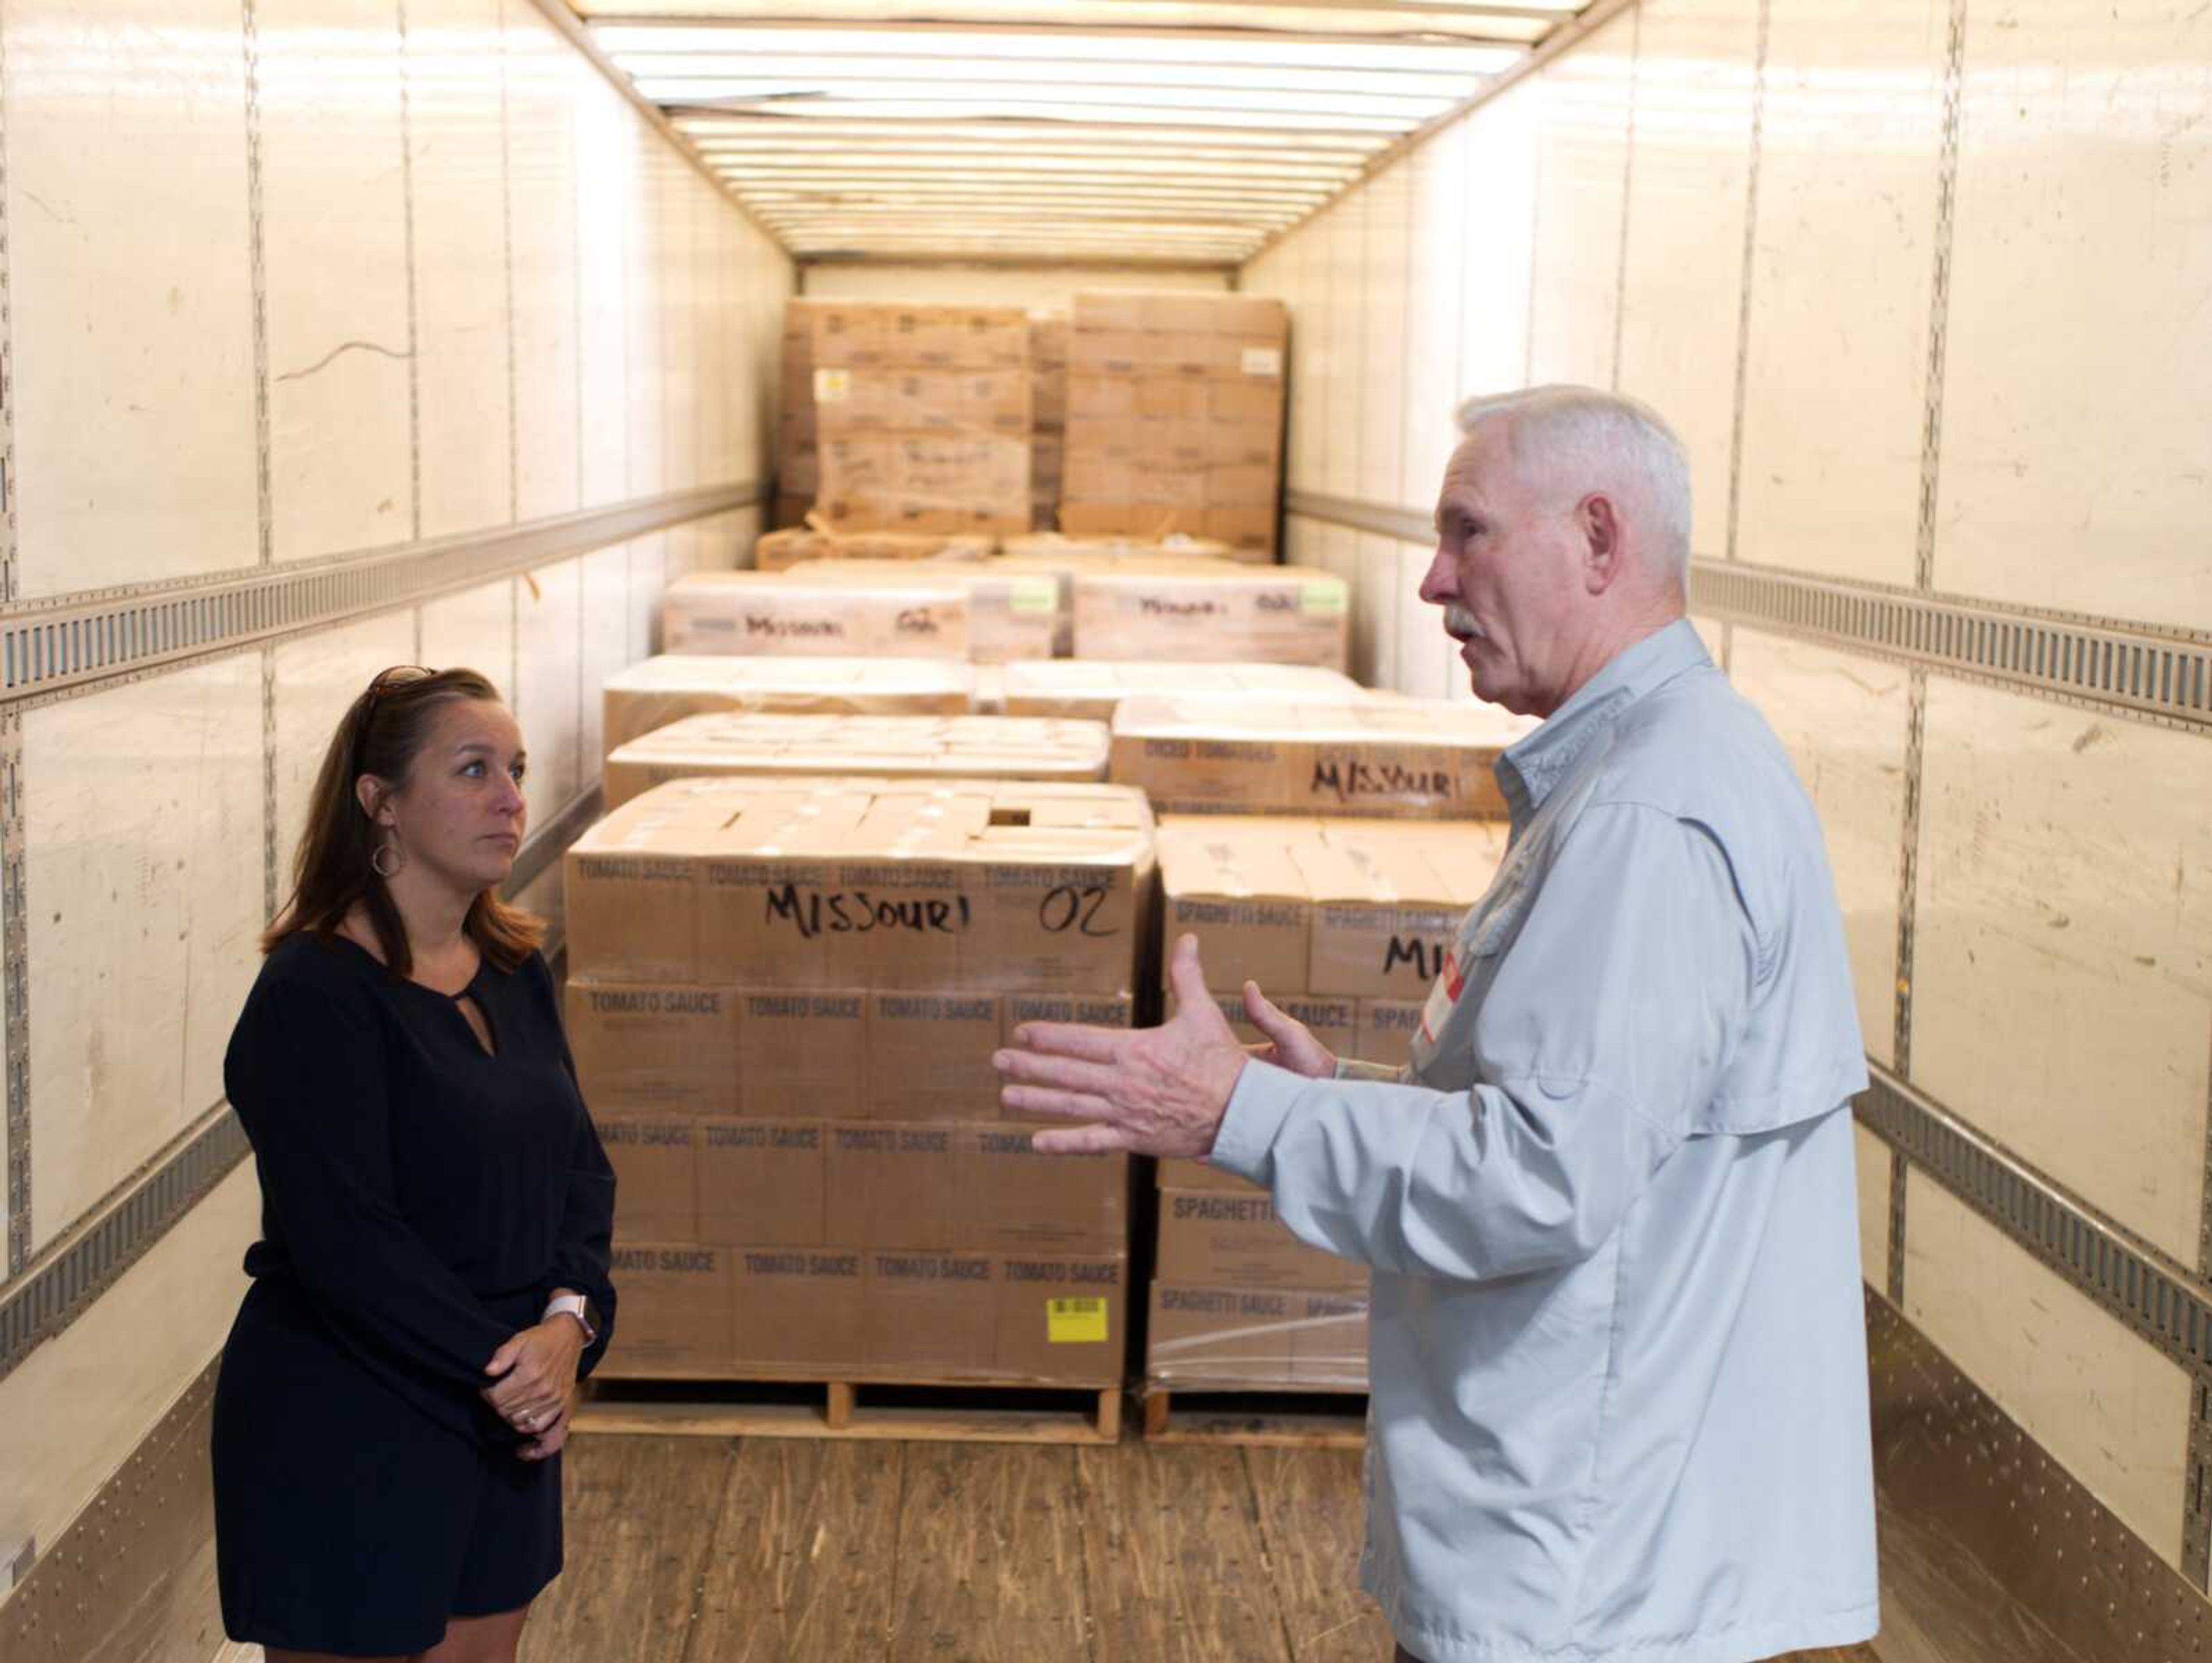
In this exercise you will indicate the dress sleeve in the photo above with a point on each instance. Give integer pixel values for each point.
(1602, 1032)
(307, 1077)
(583, 1246)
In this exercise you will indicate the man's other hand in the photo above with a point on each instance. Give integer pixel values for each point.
(1290, 1043)
(1153, 1091)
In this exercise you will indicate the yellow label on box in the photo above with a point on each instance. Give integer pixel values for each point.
(1075, 1321)
(832, 387)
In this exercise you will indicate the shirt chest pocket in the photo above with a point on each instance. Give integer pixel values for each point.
(1496, 917)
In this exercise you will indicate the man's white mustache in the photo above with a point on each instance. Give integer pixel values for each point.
(1459, 622)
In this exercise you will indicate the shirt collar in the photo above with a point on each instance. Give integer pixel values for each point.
(1527, 772)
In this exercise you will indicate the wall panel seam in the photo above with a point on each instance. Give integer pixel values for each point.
(15, 988)
(1749, 269)
(506, 261)
(414, 303)
(1627, 180)
(14, 945)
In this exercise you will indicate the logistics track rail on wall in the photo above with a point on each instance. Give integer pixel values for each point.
(76, 644)
(2160, 1299)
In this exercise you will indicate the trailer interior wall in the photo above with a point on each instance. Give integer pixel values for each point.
(280, 292)
(1040, 287)
(1928, 310)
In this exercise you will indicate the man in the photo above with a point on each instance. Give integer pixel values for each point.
(1617, 1356)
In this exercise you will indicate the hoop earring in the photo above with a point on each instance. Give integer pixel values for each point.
(376, 860)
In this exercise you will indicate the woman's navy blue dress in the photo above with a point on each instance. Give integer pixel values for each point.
(421, 1199)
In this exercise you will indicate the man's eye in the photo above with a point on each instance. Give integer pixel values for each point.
(517, 772)
(471, 770)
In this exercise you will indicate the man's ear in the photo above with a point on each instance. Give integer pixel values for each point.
(1602, 554)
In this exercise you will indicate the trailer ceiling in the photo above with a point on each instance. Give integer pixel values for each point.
(1184, 132)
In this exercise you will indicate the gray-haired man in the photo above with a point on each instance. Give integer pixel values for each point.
(1617, 1358)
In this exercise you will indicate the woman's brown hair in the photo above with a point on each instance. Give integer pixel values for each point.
(383, 732)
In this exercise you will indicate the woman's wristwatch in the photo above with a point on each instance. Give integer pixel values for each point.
(577, 1306)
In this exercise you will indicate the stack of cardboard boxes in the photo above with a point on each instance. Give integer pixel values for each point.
(783, 1001)
(795, 545)
(922, 416)
(927, 747)
(654, 692)
(1089, 689)
(1344, 925)
(1175, 416)
(1051, 599)
(1378, 755)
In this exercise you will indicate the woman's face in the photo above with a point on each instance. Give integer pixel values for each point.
(460, 815)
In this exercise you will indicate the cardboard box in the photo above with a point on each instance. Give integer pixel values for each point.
(1179, 1175)
(1062, 1319)
(931, 1312)
(805, 1053)
(980, 1188)
(1234, 1238)
(1237, 885)
(1015, 609)
(1420, 758)
(1089, 689)
(676, 1309)
(921, 614)
(900, 1186)
(1272, 615)
(929, 1055)
(923, 415)
(1295, 1338)
(779, 551)
(764, 1182)
(810, 885)
(797, 1310)
(1384, 916)
(654, 1047)
(928, 747)
(656, 1162)
(1338, 908)
(655, 692)
(967, 1316)
(1387, 1028)
(1025, 1202)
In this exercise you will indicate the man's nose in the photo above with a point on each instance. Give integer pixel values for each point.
(1440, 583)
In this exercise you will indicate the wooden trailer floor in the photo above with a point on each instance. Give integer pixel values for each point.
(685, 1549)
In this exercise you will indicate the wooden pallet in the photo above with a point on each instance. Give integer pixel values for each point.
(919, 1409)
(1327, 1418)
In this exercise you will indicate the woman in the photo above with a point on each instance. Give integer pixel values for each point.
(432, 1276)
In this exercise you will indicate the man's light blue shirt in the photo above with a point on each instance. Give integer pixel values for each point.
(1617, 1348)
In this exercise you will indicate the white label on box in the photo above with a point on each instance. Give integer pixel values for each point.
(1263, 361)
(832, 387)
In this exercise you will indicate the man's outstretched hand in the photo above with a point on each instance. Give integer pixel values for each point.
(1154, 1090)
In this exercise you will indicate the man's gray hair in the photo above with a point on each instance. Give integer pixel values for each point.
(1586, 439)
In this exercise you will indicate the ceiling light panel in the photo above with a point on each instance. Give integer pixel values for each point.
(1170, 130)
(969, 47)
(1407, 19)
